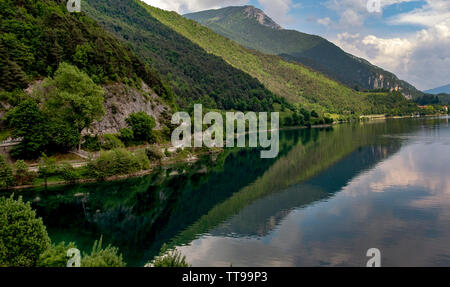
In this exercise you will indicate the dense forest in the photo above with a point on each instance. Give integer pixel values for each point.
(193, 74)
(36, 36)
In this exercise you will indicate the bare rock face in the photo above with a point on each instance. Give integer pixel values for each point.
(261, 17)
(121, 101)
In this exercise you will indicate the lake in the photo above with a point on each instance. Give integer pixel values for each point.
(331, 195)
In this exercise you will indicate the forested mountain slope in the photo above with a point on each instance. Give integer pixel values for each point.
(298, 84)
(36, 36)
(194, 75)
(244, 25)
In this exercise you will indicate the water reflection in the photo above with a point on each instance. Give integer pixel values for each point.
(329, 196)
(396, 199)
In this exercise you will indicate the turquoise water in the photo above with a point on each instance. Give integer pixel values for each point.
(330, 196)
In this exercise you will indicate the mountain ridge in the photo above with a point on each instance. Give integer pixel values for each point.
(439, 90)
(310, 50)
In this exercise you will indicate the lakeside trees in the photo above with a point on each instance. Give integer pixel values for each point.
(54, 116)
(24, 241)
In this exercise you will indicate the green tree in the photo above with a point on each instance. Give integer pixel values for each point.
(71, 96)
(47, 168)
(6, 174)
(29, 123)
(142, 126)
(23, 236)
(22, 174)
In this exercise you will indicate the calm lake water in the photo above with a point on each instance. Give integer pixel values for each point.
(330, 196)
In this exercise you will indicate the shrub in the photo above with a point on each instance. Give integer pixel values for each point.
(22, 175)
(47, 168)
(91, 143)
(154, 153)
(126, 136)
(172, 258)
(167, 153)
(68, 173)
(329, 121)
(55, 255)
(6, 174)
(23, 237)
(142, 126)
(111, 142)
(142, 158)
(115, 162)
(99, 257)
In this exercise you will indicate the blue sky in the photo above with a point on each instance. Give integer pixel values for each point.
(408, 37)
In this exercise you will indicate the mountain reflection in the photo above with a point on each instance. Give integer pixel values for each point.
(234, 195)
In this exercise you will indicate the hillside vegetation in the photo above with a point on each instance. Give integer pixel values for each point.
(298, 84)
(241, 25)
(194, 75)
(36, 36)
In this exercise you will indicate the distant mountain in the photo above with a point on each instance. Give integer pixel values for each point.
(296, 83)
(440, 90)
(251, 28)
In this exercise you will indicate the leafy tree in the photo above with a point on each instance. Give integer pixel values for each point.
(142, 126)
(47, 168)
(6, 174)
(29, 123)
(68, 173)
(23, 236)
(103, 257)
(22, 174)
(126, 136)
(71, 96)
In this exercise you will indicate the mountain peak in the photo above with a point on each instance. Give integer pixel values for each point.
(261, 17)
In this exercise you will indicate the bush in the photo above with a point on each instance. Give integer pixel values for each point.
(171, 258)
(23, 237)
(154, 153)
(126, 136)
(167, 153)
(6, 174)
(111, 142)
(142, 126)
(47, 168)
(91, 143)
(68, 173)
(142, 158)
(108, 257)
(22, 175)
(116, 162)
(55, 255)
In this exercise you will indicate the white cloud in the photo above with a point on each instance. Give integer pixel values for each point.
(352, 13)
(422, 58)
(278, 10)
(324, 21)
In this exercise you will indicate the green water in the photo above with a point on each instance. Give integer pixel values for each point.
(330, 196)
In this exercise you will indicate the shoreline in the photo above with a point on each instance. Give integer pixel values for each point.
(193, 159)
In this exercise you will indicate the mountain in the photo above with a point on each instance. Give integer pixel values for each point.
(248, 26)
(36, 36)
(440, 90)
(193, 74)
(291, 80)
